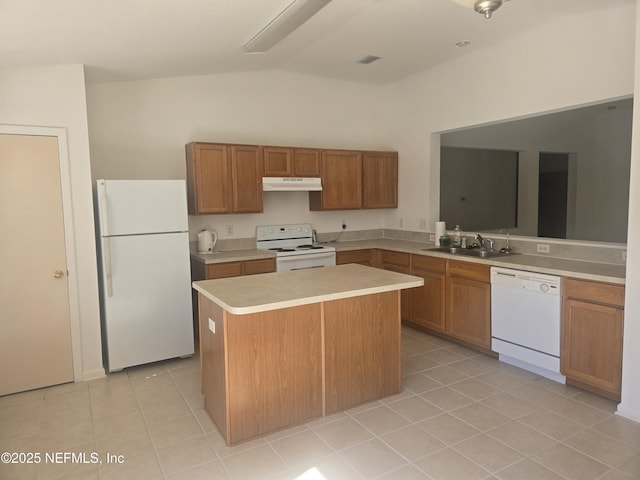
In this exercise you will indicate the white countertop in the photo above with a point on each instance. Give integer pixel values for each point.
(602, 272)
(272, 291)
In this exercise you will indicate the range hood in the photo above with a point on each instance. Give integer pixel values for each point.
(291, 184)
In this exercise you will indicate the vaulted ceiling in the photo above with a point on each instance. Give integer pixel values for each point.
(139, 39)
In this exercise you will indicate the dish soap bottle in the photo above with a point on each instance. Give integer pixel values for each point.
(457, 237)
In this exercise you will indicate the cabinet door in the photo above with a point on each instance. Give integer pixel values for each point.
(341, 181)
(468, 310)
(363, 257)
(208, 176)
(306, 162)
(224, 270)
(428, 301)
(592, 344)
(267, 265)
(399, 262)
(246, 175)
(380, 179)
(277, 161)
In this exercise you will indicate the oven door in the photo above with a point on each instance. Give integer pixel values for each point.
(310, 260)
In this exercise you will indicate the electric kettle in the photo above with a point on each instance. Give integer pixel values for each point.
(207, 241)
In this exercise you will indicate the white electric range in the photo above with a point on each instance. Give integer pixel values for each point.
(294, 247)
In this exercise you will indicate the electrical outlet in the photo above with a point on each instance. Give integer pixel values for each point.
(212, 326)
(432, 237)
(344, 224)
(229, 230)
(542, 247)
(423, 224)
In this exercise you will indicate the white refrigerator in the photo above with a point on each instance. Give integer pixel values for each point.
(145, 279)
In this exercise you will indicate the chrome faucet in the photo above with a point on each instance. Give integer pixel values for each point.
(483, 241)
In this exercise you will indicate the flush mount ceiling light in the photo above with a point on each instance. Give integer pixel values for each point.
(485, 7)
(284, 24)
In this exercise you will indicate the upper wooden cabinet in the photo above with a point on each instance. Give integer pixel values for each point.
(291, 162)
(380, 179)
(208, 172)
(224, 178)
(341, 181)
(306, 162)
(246, 178)
(278, 161)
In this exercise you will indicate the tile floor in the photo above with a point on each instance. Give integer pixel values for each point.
(461, 416)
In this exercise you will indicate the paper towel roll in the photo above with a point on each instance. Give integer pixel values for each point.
(441, 229)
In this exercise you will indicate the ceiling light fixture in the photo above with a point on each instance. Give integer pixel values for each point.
(284, 24)
(485, 7)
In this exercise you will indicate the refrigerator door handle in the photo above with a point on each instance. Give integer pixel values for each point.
(107, 266)
(104, 217)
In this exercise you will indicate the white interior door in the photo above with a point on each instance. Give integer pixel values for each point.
(35, 339)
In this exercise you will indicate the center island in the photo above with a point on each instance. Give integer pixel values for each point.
(279, 349)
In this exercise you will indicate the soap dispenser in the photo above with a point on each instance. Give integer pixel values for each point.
(457, 237)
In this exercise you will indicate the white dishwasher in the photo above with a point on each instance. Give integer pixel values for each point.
(525, 320)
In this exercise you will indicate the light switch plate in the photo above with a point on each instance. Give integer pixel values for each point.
(212, 326)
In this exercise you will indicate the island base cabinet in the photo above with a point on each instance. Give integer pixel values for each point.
(264, 370)
(212, 354)
(362, 350)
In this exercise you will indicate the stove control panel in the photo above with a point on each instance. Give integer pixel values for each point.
(283, 232)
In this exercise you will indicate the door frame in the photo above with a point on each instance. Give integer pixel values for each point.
(69, 230)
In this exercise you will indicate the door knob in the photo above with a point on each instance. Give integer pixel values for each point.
(58, 274)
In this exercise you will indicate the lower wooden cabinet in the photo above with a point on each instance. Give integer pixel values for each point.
(363, 257)
(592, 332)
(201, 271)
(428, 301)
(401, 263)
(468, 303)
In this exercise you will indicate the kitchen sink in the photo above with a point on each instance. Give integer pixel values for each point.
(469, 252)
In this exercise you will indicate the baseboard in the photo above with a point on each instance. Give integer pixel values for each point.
(630, 413)
(92, 375)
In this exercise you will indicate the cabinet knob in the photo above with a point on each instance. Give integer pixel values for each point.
(58, 274)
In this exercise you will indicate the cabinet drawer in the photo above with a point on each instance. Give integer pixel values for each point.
(362, 257)
(394, 258)
(422, 262)
(222, 270)
(599, 292)
(471, 271)
(266, 265)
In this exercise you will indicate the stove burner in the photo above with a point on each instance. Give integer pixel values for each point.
(280, 249)
(309, 247)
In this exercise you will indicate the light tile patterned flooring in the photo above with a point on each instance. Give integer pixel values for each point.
(461, 416)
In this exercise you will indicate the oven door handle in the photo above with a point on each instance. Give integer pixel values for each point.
(311, 256)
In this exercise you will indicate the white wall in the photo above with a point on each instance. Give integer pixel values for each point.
(630, 405)
(55, 97)
(139, 129)
(560, 65)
